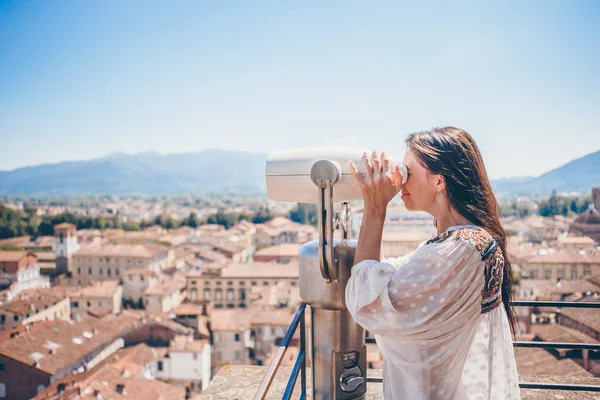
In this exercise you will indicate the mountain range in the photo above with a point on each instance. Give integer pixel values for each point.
(219, 171)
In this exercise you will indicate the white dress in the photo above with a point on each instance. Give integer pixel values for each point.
(438, 319)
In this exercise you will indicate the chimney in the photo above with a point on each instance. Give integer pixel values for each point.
(121, 389)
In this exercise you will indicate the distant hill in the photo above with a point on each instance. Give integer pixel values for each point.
(144, 173)
(218, 171)
(579, 175)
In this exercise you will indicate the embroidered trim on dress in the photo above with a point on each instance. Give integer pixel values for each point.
(493, 259)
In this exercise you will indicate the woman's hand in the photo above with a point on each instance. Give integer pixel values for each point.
(380, 184)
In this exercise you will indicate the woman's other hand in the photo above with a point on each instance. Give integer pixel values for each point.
(380, 184)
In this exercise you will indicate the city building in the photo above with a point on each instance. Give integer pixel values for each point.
(96, 263)
(65, 245)
(588, 222)
(19, 271)
(231, 338)
(31, 361)
(102, 297)
(135, 281)
(35, 305)
(187, 361)
(163, 296)
(282, 253)
(229, 286)
(557, 263)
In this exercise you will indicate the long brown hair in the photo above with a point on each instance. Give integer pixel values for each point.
(452, 153)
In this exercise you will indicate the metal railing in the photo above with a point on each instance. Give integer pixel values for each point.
(300, 364)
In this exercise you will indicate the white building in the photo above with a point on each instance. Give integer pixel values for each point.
(187, 361)
(136, 281)
(163, 296)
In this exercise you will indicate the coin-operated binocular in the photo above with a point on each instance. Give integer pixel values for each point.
(323, 177)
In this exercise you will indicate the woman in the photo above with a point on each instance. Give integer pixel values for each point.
(440, 315)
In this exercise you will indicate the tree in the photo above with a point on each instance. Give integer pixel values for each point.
(262, 215)
(304, 214)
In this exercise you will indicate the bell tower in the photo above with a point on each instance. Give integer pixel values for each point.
(65, 244)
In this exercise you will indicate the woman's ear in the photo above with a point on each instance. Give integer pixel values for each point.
(439, 182)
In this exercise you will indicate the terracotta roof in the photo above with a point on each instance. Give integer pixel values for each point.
(547, 288)
(227, 320)
(19, 241)
(65, 225)
(565, 256)
(71, 341)
(123, 250)
(261, 270)
(282, 250)
(31, 301)
(163, 288)
(98, 289)
(104, 382)
(189, 309)
(531, 361)
(135, 358)
(590, 216)
(13, 256)
(584, 316)
(278, 222)
(559, 333)
(282, 317)
(183, 343)
(45, 256)
(139, 271)
(582, 240)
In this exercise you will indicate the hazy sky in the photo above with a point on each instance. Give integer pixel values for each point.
(82, 79)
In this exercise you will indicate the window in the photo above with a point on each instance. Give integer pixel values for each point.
(2, 391)
(587, 270)
(293, 283)
(16, 318)
(193, 282)
(61, 237)
(560, 272)
(2, 318)
(117, 271)
(237, 355)
(89, 271)
(89, 304)
(2, 367)
(160, 365)
(259, 330)
(273, 330)
(195, 356)
(253, 283)
(242, 294)
(237, 337)
(573, 272)
(108, 271)
(79, 271)
(100, 271)
(265, 283)
(142, 278)
(75, 304)
(229, 294)
(206, 282)
(548, 273)
(218, 295)
(229, 283)
(206, 294)
(218, 305)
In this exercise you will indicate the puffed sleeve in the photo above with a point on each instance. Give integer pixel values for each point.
(433, 292)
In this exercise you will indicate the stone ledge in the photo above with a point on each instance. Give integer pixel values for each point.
(240, 382)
